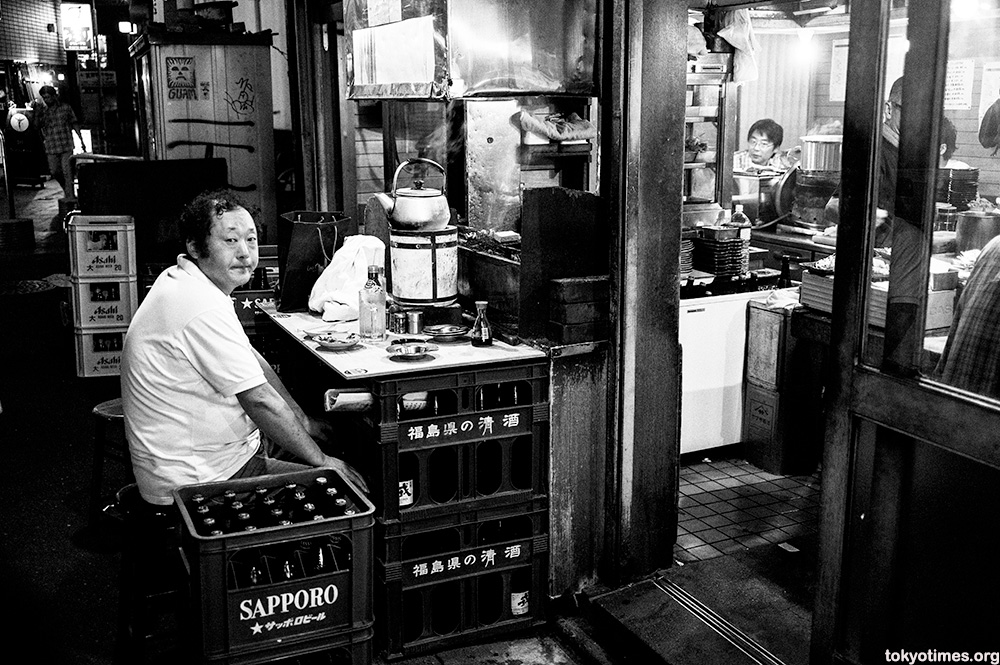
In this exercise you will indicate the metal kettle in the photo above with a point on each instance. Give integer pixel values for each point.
(416, 208)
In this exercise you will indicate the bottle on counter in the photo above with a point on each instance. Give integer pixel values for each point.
(372, 307)
(785, 278)
(739, 218)
(482, 334)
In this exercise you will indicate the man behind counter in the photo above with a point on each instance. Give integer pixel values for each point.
(762, 153)
(196, 394)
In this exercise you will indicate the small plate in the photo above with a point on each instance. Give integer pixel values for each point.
(335, 342)
(329, 328)
(410, 350)
(447, 332)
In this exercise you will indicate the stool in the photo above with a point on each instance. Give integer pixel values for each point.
(109, 442)
(153, 586)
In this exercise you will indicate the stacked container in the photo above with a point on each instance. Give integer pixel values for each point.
(460, 473)
(104, 288)
(279, 569)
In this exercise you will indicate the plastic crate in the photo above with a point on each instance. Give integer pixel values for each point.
(104, 302)
(458, 441)
(354, 648)
(451, 589)
(99, 351)
(268, 591)
(102, 246)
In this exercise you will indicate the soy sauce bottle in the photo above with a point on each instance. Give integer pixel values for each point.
(482, 333)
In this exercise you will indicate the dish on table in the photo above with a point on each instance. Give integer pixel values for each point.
(329, 328)
(337, 342)
(410, 350)
(446, 332)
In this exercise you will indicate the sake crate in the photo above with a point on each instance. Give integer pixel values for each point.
(104, 302)
(458, 441)
(463, 582)
(102, 246)
(269, 588)
(99, 351)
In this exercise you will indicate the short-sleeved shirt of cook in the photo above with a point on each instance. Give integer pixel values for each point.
(185, 359)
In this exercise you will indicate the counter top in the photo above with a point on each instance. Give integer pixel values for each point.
(370, 359)
(795, 240)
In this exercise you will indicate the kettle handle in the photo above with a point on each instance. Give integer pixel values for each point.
(414, 160)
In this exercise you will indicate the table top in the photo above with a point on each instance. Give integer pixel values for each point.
(370, 359)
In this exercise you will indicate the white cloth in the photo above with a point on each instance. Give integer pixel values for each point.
(185, 359)
(335, 293)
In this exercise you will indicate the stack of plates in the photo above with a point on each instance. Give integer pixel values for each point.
(687, 257)
(963, 187)
(722, 257)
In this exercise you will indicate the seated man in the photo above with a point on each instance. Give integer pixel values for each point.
(762, 153)
(949, 139)
(196, 394)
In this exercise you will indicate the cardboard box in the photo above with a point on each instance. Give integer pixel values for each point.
(782, 433)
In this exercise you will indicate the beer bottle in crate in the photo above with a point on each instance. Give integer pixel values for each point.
(409, 472)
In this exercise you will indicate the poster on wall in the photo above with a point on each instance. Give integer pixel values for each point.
(990, 88)
(838, 70)
(77, 27)
(958, 85)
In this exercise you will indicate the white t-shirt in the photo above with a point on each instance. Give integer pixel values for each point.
(185, 359)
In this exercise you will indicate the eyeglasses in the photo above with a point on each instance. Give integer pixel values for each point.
(760, 143)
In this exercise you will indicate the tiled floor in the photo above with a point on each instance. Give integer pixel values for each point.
(730, 505)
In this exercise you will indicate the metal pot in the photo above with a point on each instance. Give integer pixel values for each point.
(416, 208)
(821, 152)
(974, 229)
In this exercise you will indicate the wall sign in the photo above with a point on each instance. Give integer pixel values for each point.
(77, 27)
(958, 84)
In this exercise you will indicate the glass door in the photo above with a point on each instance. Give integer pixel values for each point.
(912, 461)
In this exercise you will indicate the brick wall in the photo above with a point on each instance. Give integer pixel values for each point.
(24, 35)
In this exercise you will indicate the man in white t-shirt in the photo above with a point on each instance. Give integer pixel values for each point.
(194, 390)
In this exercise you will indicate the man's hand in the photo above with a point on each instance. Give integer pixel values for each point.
(347, 471)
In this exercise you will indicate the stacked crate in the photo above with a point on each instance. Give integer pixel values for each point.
(461, 475)
(273, 586)
(579, 309)
(104, 289)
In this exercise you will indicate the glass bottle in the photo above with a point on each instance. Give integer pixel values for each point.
(482, 334)
(520, 590)
(785, 279)
(371, 307)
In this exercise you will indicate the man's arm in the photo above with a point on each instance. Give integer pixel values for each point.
(311, 425)
(276, 418)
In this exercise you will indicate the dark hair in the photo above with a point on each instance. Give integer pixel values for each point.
(949, 137)
(196, 220)
(48, 90)
(769, 128)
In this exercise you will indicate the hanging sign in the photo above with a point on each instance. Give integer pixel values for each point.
(77, 27)
(958, 85)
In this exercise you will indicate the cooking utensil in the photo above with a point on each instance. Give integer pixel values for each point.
(416, 208)
(821, 152)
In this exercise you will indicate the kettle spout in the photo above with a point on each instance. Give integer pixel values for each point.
(386, 201)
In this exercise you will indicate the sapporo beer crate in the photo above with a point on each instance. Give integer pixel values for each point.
(104, 302)
(279, 564)
(460, 578)
(457, 440)
(102, 246)
(99, 351)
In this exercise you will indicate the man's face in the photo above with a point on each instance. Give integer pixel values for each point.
(760, 148)
(232, 250)
(893, 113)
(48, 98)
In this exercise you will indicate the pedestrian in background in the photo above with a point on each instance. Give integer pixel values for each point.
(57, 121)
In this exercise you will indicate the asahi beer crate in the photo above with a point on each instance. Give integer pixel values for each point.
(102, 246)
(442, 586)
(458, 441)
(104, 302)
(278, 563)
(99, 351)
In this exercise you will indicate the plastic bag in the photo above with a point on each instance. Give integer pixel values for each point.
(335, 293)
(738, 31)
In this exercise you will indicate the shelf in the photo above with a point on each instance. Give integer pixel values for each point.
(698, 165)
(713, 78)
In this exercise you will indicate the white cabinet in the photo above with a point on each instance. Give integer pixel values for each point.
(713, 333)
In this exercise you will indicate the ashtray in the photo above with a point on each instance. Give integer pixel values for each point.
(336, 342)
(410, 350)
(446, 332)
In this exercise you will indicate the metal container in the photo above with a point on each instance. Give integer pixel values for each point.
(821, 152)
(414, 322)
(974, 229)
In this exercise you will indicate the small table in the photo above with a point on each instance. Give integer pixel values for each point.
(369, 359)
